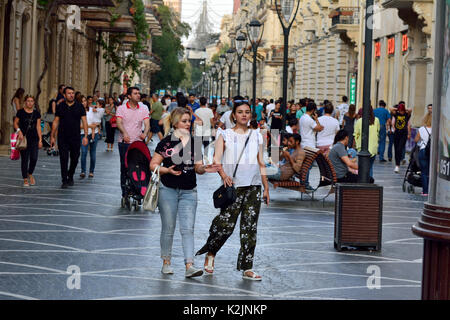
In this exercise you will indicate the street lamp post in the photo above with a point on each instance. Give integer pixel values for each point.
(222, 60)
(217, 78)
(255, 30)
(213, 76)
(240, 49)
(364, 154)
(286, 15)
(230, 60)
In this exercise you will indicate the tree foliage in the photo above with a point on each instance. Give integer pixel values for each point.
(169, 48)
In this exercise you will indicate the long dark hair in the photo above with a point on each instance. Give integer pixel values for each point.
(352, 111)
(238, 101)
(19, 94)
(340, 135)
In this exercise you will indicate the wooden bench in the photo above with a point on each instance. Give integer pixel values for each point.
(327, 173)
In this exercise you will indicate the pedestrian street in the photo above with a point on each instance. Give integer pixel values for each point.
(46, 233)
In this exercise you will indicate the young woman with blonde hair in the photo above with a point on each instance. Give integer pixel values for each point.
(179, 156)
(28, 123)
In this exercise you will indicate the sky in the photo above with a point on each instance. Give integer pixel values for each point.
(191, 10)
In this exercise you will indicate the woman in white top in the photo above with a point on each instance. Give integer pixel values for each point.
(422, 138)
(249, 176)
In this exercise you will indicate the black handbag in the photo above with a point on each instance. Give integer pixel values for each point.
(226, 196)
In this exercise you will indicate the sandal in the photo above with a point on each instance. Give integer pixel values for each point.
(254, 276)
(91, 175)
(32, 180)
(82, 175)
(26, 183)
(209, 264)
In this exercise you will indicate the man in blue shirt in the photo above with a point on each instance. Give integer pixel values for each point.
(384, 117)
(194, 105)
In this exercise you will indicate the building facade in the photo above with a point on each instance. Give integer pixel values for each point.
(75, 58)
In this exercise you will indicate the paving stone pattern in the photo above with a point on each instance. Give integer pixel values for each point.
(44, 230)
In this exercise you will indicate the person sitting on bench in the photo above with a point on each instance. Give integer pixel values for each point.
(341, 162)
(293, 161)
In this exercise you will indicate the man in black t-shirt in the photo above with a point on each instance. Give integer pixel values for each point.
(67, 124)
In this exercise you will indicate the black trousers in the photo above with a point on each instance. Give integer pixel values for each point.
(352, 178)
(29, 158)
(110, 131)
(68, 148)
(399, 146)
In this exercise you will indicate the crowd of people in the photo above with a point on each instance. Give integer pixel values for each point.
(239, 128)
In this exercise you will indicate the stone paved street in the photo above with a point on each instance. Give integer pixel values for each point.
(44, 230)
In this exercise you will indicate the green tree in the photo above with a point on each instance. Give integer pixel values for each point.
(169, 48)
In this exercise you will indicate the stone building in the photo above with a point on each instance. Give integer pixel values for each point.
(75, 58)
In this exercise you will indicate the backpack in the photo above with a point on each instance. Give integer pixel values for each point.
(428, 146)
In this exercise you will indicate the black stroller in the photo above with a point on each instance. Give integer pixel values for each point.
(413, 175)
(137, 164)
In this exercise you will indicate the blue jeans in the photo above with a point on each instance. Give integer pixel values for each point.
(92, 146)
(391, 144)
(181, 203)
(382, 142)
(271, 174)
(372, 160)
(425, 169)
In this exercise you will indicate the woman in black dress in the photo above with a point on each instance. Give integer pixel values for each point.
(28, 124)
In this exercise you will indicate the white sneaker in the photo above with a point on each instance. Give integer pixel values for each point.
(193, 272)
(397, 169)
(166, 269)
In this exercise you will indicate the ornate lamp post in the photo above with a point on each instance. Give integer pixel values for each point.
(223, 60)
(230, 60)
(286, 10)
(240, 49)
(255, 30)
(217, 78)
(214, 77)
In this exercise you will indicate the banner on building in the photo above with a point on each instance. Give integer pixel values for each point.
(443, 179)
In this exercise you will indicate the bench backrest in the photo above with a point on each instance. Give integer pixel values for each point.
(327, 173)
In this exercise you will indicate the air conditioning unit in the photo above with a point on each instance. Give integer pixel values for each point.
(358, 216)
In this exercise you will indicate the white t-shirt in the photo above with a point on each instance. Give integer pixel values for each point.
(94, 117)
(424, 137)
(307, 125)
(330, 128)
(248, 172)
(269, 108)
(343, 109)
(226, 120)
(206, 115)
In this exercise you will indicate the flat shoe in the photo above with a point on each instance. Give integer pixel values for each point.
(193, 272)
(166, 269)
(253, 277)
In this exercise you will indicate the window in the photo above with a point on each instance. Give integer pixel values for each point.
(377, 49)
(405, 43)
(391, 46)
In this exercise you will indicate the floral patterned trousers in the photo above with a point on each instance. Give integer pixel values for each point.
(248, 204)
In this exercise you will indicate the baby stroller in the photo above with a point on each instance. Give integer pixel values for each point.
(413, 176)
(137, 164)
(46, 138)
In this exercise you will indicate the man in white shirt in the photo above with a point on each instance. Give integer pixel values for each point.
(325, 138)
(270, 107)
(341, 110)
(207, 117)
(309, 125)
(225, 121)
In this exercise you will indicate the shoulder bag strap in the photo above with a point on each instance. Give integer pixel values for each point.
(242, 152)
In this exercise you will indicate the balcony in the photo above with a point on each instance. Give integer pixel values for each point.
(276, 56)
(345, 19)
(401, 4)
